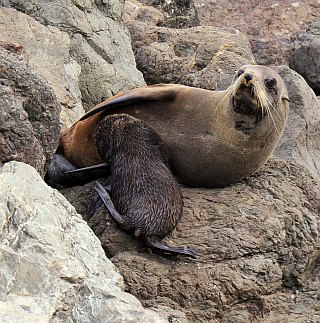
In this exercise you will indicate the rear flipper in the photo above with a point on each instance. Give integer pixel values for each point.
(96, 201)
(105, 197)
(153, 243)
(189, 252)
(61, 171)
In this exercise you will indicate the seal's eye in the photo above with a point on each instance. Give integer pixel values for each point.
(240, 72)
(270, 83)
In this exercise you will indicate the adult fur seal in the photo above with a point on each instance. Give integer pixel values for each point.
(145, 197)
(214, 138)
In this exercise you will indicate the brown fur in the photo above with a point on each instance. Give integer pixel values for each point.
(213, 138)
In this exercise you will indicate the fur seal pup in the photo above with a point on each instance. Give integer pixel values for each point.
(213, 138)
(145, 197)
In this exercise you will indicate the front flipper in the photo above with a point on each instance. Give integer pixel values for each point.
(98, 167)
(61, 171)
(56, 172)
(189, 252)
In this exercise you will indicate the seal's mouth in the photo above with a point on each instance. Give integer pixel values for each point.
(245, 102)
(247, 110)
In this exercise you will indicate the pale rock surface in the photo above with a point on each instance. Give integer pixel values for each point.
(46, 49)
(52, 266)
(98, 42)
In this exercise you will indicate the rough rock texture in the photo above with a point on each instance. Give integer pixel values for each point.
(259, 250)
(52, 267)
(46, 49)
(98, 42)
(206, 57)
(305, 58)
(176, 14)
(301, 139)
(258, 240)
(29, 113)
(271, 25)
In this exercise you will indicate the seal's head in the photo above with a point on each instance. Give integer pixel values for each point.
(257, 92)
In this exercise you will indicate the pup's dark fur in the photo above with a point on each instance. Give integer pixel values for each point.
(143, 190)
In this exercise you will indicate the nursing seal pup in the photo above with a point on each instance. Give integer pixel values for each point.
(145, 197)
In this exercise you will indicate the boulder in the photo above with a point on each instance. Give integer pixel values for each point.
(305, 58)
(52, 266)
(98, 43)
(300, 141)
(201, 56)
(271, 26)
(258, 243)
(46, 49)
(176, 14)
(29, 112)
(137, 10)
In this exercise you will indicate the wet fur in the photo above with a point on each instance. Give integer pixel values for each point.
(144, 190)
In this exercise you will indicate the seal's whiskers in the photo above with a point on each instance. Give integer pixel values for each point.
(226, 97)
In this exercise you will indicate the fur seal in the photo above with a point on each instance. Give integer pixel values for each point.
(213, 138)
(145, 197)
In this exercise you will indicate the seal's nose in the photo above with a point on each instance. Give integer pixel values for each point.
(248, 77)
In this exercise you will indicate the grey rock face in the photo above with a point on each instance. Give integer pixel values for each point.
(52, 267)
(29, 113)
(98, 40)
(301, 138)
(46, 49)
(305, 58)
(258, 242)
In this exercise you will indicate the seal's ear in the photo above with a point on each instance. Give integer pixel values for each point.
(284, 97)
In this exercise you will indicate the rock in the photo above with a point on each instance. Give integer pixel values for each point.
(46, 49)
(301, 139)
(305, 58)
(206, 57)
(29, 113)
(52, 267)
(99, 43)
(136, 10)
(271, 26)
(258, 242)
(176, 14)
